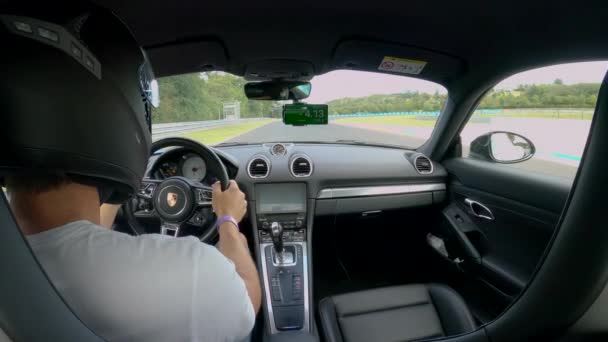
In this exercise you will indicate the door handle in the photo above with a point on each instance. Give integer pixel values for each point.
(479, 209)
(371, 213)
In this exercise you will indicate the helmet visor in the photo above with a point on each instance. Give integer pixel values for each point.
(149, 85)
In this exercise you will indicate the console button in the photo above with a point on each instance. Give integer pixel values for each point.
(276, 288)
(299, 224)
(297, 287)
(287, 236)
(265, 225)
(276, 294)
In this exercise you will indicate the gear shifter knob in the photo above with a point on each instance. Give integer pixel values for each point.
(276, 232)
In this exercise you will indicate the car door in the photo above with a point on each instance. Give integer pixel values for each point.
(501, 220)
(502, 214)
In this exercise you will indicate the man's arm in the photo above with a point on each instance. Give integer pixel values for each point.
(107, 214)
(233, 244)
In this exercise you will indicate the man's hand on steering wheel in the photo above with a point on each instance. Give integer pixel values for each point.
(178, 201)
(230, 202)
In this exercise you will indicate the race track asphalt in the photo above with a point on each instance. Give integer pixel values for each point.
(278, 132)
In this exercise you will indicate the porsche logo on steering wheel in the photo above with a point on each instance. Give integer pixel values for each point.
(171, 199)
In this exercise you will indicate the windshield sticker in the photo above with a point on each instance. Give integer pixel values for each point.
(401, 65)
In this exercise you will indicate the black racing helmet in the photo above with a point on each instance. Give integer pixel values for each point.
(75, 97)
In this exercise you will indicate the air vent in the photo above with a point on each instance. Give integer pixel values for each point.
(301, 166)
(423, 165)
(258, 167)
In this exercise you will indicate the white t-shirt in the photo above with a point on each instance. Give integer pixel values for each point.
(145, 288)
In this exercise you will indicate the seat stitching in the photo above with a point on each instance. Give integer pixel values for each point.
(350, 314)
(340, 330)
(428, 289)
(462, 311)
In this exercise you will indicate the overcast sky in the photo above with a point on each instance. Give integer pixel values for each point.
(346, 83)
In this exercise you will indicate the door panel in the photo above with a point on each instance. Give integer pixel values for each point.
(522, 186)
(525, 208)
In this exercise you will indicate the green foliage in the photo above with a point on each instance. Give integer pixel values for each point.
(404, 102)
(198, 97)
(556, 95)
(195, 97)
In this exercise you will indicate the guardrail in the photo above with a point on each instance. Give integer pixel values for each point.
(417, 113)
(432, 115)
(174, 128)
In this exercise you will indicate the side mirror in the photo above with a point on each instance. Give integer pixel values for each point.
(502, 147)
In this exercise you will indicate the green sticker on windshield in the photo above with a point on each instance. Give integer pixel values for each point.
(300, 114)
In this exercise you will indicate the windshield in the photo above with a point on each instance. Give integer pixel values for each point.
(364, 107)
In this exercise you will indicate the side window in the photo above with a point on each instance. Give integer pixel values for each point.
(537, 120)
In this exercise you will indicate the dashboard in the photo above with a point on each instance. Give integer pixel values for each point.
(341, 178)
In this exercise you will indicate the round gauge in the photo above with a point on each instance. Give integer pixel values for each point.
(278, 149)
(194, 168)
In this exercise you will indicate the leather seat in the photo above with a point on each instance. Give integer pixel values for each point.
(397, 313)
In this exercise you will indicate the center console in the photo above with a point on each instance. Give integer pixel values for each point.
(281, 219)
(284, 203)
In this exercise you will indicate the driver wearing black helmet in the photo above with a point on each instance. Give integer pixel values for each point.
(75, 135)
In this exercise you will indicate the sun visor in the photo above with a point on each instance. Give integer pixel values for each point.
(396, 59)
(183, 58)
(283, 69)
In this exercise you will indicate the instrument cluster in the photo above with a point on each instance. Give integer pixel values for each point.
(188, 165)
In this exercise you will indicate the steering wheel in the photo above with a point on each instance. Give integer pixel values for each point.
(178, 201)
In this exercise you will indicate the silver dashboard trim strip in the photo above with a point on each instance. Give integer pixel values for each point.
(267, 294)
(381, 190)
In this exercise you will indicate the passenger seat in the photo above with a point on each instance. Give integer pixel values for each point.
(397, 313)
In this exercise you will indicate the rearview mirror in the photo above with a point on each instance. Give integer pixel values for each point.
(278, 90)
(502, 147)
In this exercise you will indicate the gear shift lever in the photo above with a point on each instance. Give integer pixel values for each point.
(276, 232)
(282, 256)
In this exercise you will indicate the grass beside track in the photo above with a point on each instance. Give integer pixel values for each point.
(217, 135)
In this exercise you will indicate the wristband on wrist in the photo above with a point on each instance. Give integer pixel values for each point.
(226, 218)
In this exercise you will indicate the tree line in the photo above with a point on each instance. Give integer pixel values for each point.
(200, 96)
(404, 102)
(556, 95)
